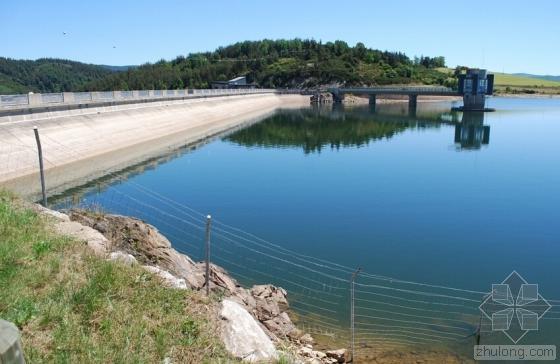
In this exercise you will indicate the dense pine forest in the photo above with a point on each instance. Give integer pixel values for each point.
(267, 63)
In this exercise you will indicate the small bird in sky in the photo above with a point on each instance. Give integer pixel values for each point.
(64, 33)
(114, 47)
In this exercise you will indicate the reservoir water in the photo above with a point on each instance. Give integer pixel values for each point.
(434, 207)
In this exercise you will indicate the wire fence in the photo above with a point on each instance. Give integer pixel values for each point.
(388, 313)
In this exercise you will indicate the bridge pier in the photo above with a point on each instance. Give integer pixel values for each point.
(412, 103)
(338, 98)
(372, 101)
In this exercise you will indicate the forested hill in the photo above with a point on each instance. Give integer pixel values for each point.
(47, 75)
(283, 63)
(267, 63)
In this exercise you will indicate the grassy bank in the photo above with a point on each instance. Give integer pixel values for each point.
(73, 307)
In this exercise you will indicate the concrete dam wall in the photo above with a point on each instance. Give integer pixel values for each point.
(84, 144)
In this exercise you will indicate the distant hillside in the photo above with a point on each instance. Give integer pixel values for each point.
(541, 77)
(267, 63)
(283, 63)
(506, 79)
(47, 75)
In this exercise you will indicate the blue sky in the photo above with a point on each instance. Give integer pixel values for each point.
(498, 35)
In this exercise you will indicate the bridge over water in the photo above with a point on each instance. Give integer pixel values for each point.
(411, 92)
(472, 86)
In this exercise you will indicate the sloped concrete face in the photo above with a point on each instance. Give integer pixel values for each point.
(79, 145)
(242, 335)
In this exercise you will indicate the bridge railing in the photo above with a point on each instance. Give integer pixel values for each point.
(32, 100)
(14, 100)
(388, 89)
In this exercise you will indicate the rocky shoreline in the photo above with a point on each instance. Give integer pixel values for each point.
(255, 323)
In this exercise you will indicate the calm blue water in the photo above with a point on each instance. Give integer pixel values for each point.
(397, 195)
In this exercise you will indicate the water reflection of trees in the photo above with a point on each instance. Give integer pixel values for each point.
(315, 129)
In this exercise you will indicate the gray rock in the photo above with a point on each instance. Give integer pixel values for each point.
(123, 258)
(242, 335)
(306, 339)
(282, 326)
(314, 361)
(219, 278)
(247, 299)
(168, 279)
(94, 239)
(144, 242)
(52, 213)
(319, 354)
(270, 308)
(270, 301)
(306, 352)
(10, 344)
(101, 226)
(341, 355)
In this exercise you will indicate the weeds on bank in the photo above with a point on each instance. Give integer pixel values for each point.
(73, 307)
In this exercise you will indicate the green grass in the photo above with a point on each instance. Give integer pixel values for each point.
(508, 83)
(445, 70)
(504, 79)
(512, 84)
(73, 307)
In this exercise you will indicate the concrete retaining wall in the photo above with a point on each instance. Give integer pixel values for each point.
(27, 103)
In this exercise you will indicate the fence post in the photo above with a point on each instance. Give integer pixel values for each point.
(41, 169)
(208, 221)
(352, 296)
(479, 328)
(10, 344)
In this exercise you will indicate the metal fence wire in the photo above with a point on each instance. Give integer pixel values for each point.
(368, 312)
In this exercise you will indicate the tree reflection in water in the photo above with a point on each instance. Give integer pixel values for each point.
(323, 126)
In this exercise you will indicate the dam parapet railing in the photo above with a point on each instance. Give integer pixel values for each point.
(48, 100)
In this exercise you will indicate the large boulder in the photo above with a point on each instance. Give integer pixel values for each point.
(94, 239)
(144, 242)
(242, 335)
